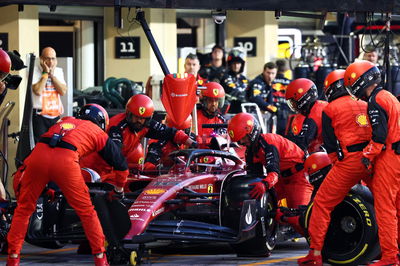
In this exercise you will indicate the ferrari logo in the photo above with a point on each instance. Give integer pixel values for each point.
(314, 166)
(154, 191)
(295, 130)
(142, 110)
(362, 120)
(141, 160)
(300, 90)
(210, 189)
(215, 92)
(231, 134)
(200, 82)
(67, 126)
(353, 75)
(249, 122)
(205, 159)
(326, 83)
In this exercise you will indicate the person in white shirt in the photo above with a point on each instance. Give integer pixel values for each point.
(48, 85)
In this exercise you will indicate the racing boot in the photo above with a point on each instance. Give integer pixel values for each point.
(12, 261)
(310, 259)
(101, 261)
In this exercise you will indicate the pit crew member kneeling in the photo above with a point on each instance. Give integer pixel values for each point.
(282, 159)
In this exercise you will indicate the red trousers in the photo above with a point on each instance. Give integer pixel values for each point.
(386, 191)
(343, 175)
(295, 188)
(61, 166)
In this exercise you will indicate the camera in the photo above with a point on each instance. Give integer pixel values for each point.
(12, 81)
(219, 16)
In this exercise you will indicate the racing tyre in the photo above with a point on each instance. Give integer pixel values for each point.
(352, 237)
(234, 193)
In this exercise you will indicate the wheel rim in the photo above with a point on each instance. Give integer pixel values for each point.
(345, 230)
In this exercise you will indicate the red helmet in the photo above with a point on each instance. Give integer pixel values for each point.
(213, 90)
(5, 64)
(136, 156)
(359, 76)
(186, 124)
(333, 85)
(140, 105)
(317, 166)
(301, 94)
(244, 124)
(95, 113)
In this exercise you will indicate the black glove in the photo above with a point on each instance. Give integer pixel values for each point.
(115, 133)
(367, 163)
(115, 195)
(194, 145)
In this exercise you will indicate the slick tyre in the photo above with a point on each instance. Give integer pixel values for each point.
(352, 237)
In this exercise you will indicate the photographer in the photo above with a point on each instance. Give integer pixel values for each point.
(9, 61)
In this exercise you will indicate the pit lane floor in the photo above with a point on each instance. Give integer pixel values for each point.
(285, 253)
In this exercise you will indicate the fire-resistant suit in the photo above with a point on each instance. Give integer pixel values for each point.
(310, 137)
(120, 133)
(283, 157)
(60, 164)
(205, 134)
(383, 151)
(345, 131)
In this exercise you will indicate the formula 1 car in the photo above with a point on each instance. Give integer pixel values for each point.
(195, 202)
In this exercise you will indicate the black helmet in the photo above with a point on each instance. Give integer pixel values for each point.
(95, 113)
(235, 55)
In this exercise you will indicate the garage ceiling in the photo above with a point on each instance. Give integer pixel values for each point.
(271, 5)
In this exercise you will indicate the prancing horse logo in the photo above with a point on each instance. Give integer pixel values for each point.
(142, 110)
(215, 91)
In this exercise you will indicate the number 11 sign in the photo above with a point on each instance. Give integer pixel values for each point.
(127, 47)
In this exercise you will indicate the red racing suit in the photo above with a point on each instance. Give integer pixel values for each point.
(60, 165)
(285, 158)
(129, 141)
(205, 134)
(384, 116)
(346, 131)
(294, 125)
(310, 137)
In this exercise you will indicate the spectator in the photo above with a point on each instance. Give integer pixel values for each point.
(260, 88)
(48, 85)
(371, 54)
(192, 66)
(234, 82)
(216, 68)
(279, 86)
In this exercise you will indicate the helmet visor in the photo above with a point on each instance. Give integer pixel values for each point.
(292, 103)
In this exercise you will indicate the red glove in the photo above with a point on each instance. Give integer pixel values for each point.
(259, 189)
(279, 215)
(262, 186)
(372, 150)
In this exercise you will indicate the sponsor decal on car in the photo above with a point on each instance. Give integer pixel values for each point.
(148, 198)
(157, 212)
(139, 209)
(248, 217)
(154, 191)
